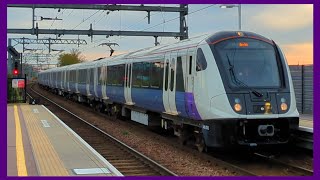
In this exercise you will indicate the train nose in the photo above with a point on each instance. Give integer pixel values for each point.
(266, 130)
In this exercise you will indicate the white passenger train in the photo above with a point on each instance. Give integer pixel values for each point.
(228, 88)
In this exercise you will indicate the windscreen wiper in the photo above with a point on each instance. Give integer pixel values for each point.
(239, 82)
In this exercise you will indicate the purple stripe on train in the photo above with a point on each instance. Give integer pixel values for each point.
(191, 106)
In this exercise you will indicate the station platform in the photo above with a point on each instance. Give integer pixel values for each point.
(40, 144)
(306, 123)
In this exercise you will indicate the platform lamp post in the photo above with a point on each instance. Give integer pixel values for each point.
(232, 6)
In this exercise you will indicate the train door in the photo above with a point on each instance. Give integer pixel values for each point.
(127, 84)
(56, 79)
(76, 81)
(95, 80)
(68, 80)
(88, 81)
(190, 81)
(189, 73)
(169, 88)
(64, 79)
(103, 76)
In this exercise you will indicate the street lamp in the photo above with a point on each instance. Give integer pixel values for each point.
(232, 6)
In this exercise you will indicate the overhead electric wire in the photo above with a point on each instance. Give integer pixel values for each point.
(171, 20)
(86, 19)
(56, 17)
(201, 9)
(122, 37)
(134, 24)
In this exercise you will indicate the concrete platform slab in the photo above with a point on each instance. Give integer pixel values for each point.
(49, 145)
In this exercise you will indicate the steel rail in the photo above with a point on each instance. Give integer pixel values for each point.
(303, 170)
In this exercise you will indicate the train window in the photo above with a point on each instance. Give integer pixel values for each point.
(110, 75)
(73, 74)
(126, 75)
(130, 74)
(179, 76)
(201, 61)
(79, 76)
(82, 76)
(92, 76)
(172, 69)
(190, 65)
(156, 74)
(99, 76)
(145, 74)
(115, 75)
(166, 76)
(87, 80)
(136, 71)
(120, 73)
(255, 65)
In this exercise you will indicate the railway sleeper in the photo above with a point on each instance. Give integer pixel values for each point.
(129, 167)
(137, 171)
(131, 163)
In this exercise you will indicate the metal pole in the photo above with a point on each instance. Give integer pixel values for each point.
(33, 20)
(49, 45)
(148, 17)
(25, 88)
(20, 65)
(10, 60)
(302, 89)
(183, 28)
(239, 11)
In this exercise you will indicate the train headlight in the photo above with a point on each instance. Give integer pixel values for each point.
(237, 100)
(284, 106)
(237, 107)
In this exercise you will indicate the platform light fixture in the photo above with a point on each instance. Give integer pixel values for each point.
(232, 6)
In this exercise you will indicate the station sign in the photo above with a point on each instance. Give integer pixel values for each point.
(18, 83)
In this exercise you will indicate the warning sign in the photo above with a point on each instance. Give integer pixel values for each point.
(18, 83)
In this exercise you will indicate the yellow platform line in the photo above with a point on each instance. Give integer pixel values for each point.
(47, 159)
(21, 161)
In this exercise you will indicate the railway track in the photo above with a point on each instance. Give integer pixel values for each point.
(297, 169)
(262, 165)
(127, 160)
(304, 138)
(253, 165)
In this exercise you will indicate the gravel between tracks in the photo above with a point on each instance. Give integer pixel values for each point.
(145, 141)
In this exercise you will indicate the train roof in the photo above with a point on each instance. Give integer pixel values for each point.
(191, 42)
(217, 37)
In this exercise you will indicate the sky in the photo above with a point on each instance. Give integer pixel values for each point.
(290, 26)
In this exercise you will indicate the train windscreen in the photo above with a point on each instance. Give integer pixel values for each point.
(248, 61)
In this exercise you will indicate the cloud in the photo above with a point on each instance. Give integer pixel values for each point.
(301, 53)
(286, 17)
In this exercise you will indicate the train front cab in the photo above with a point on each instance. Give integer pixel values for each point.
(259, 97)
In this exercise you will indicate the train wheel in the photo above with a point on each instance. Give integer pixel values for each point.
(183, 138)
(200, 144)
